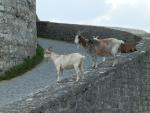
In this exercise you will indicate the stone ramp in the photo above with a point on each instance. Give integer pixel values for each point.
(105, 89)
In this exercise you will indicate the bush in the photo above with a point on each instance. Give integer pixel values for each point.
(27, 65)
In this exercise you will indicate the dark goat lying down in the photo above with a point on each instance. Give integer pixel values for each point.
(127, 48)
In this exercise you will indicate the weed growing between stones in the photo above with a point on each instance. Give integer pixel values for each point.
(27, 65)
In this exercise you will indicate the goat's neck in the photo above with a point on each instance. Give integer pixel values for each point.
(83, 42)
(54, 56)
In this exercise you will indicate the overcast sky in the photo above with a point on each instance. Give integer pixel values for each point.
(124, 13)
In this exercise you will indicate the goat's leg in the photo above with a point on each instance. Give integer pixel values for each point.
(104, 58)
(114, 52)
(93, 64)
(82, 69)
(94, 59)
(61, 72)
(115, 61)
(76, 67)
(58, 73)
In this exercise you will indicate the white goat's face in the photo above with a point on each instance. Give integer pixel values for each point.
(47, 53)
(76, 41)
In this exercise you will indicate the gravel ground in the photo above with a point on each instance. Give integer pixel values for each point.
(44, 75)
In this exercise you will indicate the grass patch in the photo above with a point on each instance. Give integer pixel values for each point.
(27, 65)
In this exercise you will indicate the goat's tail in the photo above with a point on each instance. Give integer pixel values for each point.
(83, 57)
(121, 41)
(96, 38)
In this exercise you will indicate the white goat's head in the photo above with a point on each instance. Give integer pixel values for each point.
(47, 52)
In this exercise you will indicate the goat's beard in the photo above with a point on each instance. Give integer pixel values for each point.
(46, 59)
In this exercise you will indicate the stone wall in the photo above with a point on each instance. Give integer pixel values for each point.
(67, 32)
(17, 31)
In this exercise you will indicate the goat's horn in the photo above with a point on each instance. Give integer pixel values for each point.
(79, 32)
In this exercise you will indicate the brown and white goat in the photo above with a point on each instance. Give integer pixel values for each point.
(108, 47)
(99, 47)
(69, 61)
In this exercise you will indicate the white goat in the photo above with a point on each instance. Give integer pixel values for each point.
(69, 61)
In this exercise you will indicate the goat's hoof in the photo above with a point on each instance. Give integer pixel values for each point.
(103, 60)
(58, 81)
(113, 65)
(77, 80)
(94, 67)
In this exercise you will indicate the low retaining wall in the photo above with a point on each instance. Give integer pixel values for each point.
(121, 89)
(67, 32)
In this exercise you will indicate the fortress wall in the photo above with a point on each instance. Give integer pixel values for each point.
(17, 31)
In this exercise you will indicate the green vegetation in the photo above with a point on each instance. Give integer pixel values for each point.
(27, 65)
